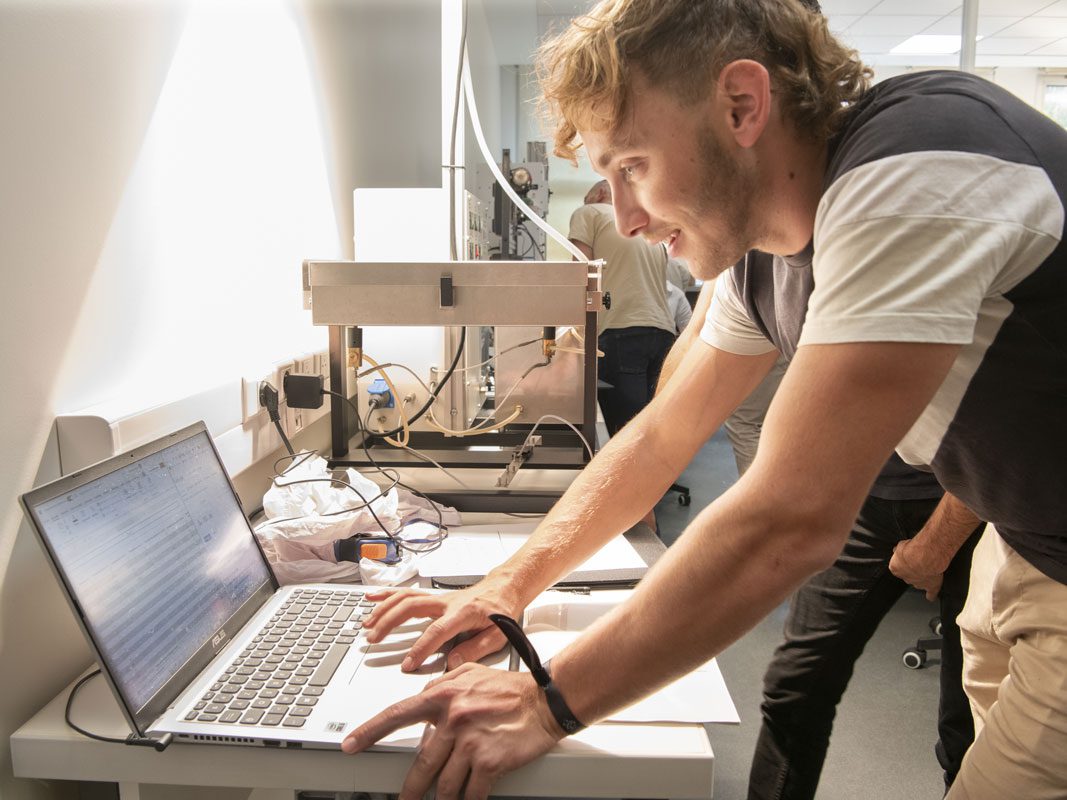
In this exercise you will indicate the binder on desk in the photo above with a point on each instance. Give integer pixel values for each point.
(595, 574)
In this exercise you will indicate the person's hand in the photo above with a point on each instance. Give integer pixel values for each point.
(466, 610)
(916, 565)
(484, 722)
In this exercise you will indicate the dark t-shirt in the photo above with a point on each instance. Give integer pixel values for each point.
(775, 293)
(942, 221)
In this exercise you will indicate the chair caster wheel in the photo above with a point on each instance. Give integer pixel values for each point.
(684, 499)
(935, 625)
(914, 658)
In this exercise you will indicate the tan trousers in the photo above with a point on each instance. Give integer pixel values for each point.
(1014, 634)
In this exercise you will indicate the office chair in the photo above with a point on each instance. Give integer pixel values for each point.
(915, 657)
(683, 493)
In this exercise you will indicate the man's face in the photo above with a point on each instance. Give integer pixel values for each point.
(675, 180)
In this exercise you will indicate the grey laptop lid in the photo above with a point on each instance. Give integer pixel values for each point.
(158, 562)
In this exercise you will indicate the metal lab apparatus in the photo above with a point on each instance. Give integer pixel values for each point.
(504, 294)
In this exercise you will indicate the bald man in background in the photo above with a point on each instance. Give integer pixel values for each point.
(638, 330)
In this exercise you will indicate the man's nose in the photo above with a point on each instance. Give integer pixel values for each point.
(630, 217)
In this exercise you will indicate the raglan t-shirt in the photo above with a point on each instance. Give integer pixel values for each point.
(767, 297)
(942, 221)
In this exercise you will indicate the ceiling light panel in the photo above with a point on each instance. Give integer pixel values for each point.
(928, 45)
(873, 45)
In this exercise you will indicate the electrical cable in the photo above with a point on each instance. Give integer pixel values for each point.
(70, 704)
(461, 62)
(405, 435)
(502, 352)
(479, 135)
(390, 365)
(569, 425)
(425, 457)
(533, 242)
(488, 426)
(268, 398)
(366, 451)
(433, 394)
(143, 741)
(437, 509)
(304, 456)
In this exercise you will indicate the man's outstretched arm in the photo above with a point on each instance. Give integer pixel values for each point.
(840, 411)
(611, 494)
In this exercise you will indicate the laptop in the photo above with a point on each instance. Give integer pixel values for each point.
(187, 620)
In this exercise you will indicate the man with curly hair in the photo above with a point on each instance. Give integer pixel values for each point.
(936, 325)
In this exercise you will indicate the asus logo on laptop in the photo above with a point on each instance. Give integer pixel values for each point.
(218, 639)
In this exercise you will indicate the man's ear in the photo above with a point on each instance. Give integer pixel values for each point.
(745, 88)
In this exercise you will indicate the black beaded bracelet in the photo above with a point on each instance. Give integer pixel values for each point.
(556, 704)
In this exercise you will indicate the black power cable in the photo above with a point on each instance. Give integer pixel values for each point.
(390, 473)
(159, 744)
(429, 401)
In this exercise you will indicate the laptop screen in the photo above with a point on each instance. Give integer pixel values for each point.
(159, 556)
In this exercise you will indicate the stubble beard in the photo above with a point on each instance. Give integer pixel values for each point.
(727, 192)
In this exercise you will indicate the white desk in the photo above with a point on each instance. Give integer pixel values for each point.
(613, 760)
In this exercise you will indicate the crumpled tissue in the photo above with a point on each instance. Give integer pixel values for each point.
(302, 526)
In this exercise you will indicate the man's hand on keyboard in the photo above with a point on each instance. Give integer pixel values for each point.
(463, 611)
(485, 722)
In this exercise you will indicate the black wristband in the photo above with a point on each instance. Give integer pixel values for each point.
(558, 706)
(562, 713)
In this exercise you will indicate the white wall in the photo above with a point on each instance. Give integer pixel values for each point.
(377, 69)
(166, 166)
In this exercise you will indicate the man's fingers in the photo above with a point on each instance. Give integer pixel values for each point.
(388, 616)
(478, 785)
(453, 776)
(488, 641)
(431, 756)
(381, 594)
(433, 639)
(933, 589)
(419, 708)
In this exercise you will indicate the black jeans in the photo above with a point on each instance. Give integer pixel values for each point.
(631, 363)
(832, 617)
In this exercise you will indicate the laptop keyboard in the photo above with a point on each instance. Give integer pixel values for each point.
(279, 677)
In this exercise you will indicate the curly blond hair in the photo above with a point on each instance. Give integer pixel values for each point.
(586, 72)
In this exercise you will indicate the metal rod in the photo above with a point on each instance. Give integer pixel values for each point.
(969, 44)
(590, 382)
(338, 383)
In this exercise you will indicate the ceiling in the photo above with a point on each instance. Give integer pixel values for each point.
(1024, 33)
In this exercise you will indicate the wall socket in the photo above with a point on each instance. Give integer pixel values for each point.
(411, 396)
(293, 420)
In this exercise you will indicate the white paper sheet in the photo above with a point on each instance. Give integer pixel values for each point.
(476, 549)
(699, 697)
